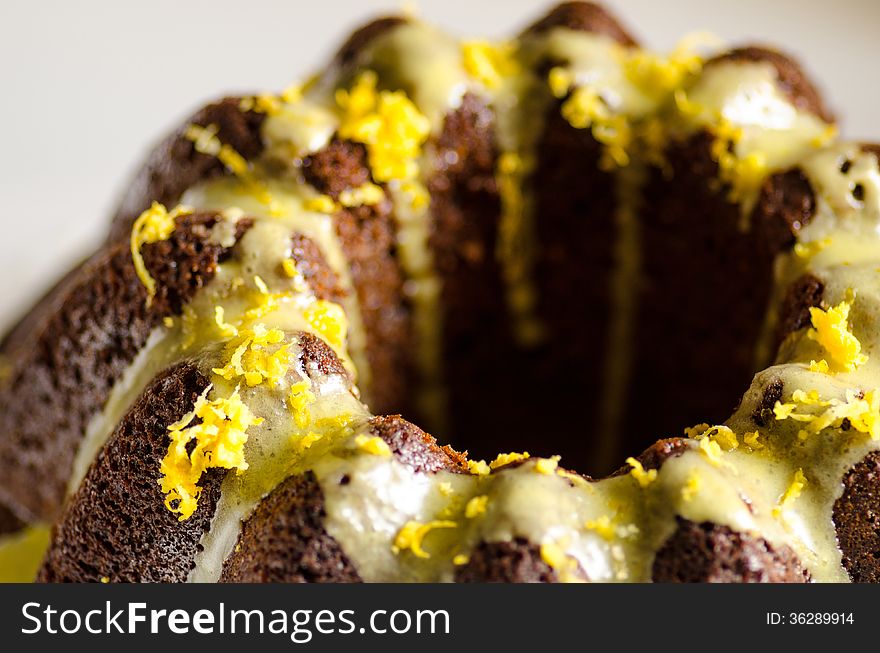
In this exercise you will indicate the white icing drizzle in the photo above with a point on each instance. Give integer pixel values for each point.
(625, 277)
(423, 288)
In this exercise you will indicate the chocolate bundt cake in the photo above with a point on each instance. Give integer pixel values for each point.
(563, 243)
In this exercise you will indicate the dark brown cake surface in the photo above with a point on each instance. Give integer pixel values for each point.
(465, 212)
(785, 206)
(857, 520)
(763, 413)
(514, 561)
(805, 293)
(116, 526)
(583, 17)
(709, 553)
(702, 287)
(284, 541)
(415, 448)
(367, 235)
(78, 346)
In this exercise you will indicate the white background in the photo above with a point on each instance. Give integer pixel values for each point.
(87, 85)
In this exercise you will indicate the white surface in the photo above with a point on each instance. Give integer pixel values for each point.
(87, 86)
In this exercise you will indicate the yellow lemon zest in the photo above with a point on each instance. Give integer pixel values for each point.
(300, 398)
(388, 123)
(412, 535)
(558, 560)
(792, 492)
(507, 458)
(303, 442)
(584, 109)
(476, 506)
(367, 194)
(809, 250)
(321, 204)
(831, 330)
(206, 141)
(691, 487)
(250, 357)
(373, 445)
(547, 466)
(226, 329)
(478, 467)
(153, 225)
(642, 476)
(860, 410)
(329, 322)
(219, 440)
(751, 440)
(489, 63)
(603, 526)
(711, 450)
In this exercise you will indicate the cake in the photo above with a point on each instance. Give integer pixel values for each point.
(563, 244)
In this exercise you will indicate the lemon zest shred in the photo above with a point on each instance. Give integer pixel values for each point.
(300, 398)
(831, 330)
(219, 440)
(303, 442)
(250, 359)
(751, 440)
(476, 506)
(696, 432)
(387, 122)
(792, 492)
(478, 467)
(373, 445)
(288, 265)
(810, 249)
(547, 466)
(565, 566)
(226, 329)
(367, 194)
(711, 450)
(691, 487)
(412, 534)
(321, 204)
(603, 526)
(503, 459)
(152, 226)
(585, 108)
(723, 435)
(861, 410)
(329, 321)
(205, 140)
(489, 63)
(642, 476)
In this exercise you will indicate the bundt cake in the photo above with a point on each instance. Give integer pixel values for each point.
(563, 243)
